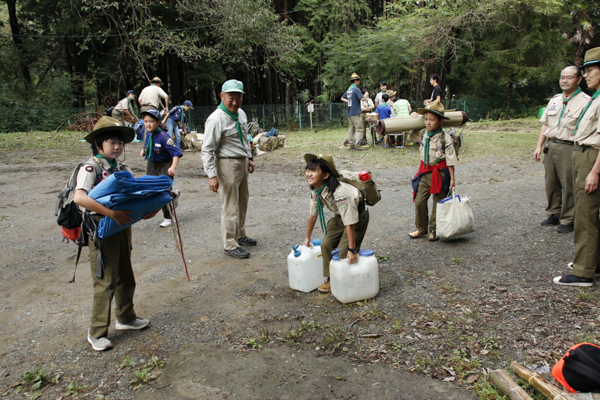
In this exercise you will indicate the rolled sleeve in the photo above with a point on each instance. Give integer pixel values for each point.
(314, 210)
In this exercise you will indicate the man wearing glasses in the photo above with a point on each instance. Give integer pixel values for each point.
(559, 121)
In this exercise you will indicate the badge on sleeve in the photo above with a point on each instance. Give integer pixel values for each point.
(89, 168)
(341, 203)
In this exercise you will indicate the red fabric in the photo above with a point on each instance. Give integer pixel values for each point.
(436, 179)
(71, 234)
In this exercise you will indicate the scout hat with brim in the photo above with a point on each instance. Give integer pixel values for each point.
(435, 107)
(391, 93)
(156, 80)
(355, 77)
(106, 124)
(154, 113)
(326, 159)
(592, 56)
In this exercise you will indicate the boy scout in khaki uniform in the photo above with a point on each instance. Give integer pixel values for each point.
(347, 228)
(436, 172)
(586, 172)
(559, 121)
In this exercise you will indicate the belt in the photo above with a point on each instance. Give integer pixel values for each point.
(581, 147)
(232, 158)
(555, 140)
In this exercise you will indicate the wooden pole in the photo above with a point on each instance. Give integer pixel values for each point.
(508, 387)
(545, 387)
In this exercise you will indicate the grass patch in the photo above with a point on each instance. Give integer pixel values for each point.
(29, 147)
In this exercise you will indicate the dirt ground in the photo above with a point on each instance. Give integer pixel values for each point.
(446, 314)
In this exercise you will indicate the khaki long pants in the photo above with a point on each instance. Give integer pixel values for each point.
(587, 237)
(355, 129)
(337, 237)
(422, 221)
(158, 169)
(233, 188)
(117, 281)
(559, 182)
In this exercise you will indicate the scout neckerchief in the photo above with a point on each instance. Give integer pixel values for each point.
(426, 149)
(320, 208)
(150, 144)
(565, 101)
(352, 86)
(113, 163)
(235, 117)
(584, 111)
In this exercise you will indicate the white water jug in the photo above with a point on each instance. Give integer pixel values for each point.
(354, 282)
(305, 267)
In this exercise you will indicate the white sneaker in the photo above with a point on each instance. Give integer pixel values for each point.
(135, 325)
(99, 344)
(166, 223)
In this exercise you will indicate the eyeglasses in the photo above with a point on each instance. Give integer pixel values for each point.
(567, 77)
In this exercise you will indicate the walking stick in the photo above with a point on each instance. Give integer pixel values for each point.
(177, 234)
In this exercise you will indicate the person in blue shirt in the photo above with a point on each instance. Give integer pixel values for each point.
(353, 96)
(384, 111)
(175, 119)
(160, 151)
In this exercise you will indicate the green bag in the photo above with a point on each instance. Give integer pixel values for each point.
(368, 189)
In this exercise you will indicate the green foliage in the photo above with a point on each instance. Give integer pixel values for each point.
(73, 389)
(38, 377)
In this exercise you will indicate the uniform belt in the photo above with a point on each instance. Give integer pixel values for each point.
(555, 140)
(232, 158)
(581, 147)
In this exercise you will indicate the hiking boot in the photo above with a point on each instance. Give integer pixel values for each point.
(416, 234)
(135, 325)
(246, 241)
(166, 223)
(325, 288)
(237, 253)
(432, 237)
(553, 220)
(358, 147)
(99, 344)
(573, 280)
(565, 228)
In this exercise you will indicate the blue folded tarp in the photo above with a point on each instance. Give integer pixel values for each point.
(121, 191)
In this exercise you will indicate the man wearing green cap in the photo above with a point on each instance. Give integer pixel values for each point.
(586, 172)
(227, 159)
(558, 123)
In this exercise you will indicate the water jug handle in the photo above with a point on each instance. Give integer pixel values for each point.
(336, 255)
(296, 251)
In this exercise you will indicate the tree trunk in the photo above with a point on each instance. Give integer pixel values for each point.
(174, 87)
(508, 97)
(269, 87)
(14, 26)
(419, 94)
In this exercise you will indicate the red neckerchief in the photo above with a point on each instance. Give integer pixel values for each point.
(436, 179)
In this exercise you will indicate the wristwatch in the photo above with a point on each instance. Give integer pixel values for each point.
(354, 251)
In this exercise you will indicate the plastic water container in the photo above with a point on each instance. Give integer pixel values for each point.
(305, 267)
(354, 282)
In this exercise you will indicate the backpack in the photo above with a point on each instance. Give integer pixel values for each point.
(455, 141)
(70, 217)
(579, 369)
(368, 189)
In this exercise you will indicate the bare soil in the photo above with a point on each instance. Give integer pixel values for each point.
(447, 312)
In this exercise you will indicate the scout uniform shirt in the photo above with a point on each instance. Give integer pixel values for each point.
(123, 105)
(86, 177)
(344, 202)
(588, 133)
(176, 113)
(570, 113)
(436, 153)
(162, 151)
(151, 95)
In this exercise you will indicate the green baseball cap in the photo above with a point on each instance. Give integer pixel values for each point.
(233, 86)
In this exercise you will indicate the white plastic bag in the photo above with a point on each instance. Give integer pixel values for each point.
(454, 216)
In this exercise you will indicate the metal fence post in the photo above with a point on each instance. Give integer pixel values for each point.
(263, 108)
(299, 117)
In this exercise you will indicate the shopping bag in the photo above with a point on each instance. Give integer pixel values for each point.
(454, 216)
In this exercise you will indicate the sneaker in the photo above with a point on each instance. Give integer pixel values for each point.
(432, 237)
(416, 234)
(572, 280)
(135, 325)
(99, 344)
(246, 241)
(358, 147)
(237, 253)
(565, 228)
(166, 223)
(325, 288)
(346, 143)
(553, 220)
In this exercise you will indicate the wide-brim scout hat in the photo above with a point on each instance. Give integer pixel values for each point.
(106, 124)
(435, 107)
(592, 56)
(153, 113)
(391, 93)
(355, 77)
(233, 86)
(326, 159)
(156, 80)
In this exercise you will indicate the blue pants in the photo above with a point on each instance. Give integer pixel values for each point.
(173, 128)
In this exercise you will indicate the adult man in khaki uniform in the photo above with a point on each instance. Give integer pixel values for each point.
(586, 172)
(227, 160)
(559, 121)
(150, 96)
(123, 111)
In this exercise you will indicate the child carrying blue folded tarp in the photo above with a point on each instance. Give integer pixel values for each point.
(110, 258)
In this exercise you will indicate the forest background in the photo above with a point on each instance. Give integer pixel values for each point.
(83, 53)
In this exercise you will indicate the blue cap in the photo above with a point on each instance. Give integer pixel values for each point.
(154, 113)
(336, 255)
(130, 91)
(366, 253)
(296, 251)
(316, 242)
(189, 104)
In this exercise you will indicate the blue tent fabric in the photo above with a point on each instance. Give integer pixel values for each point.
(121, 191)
